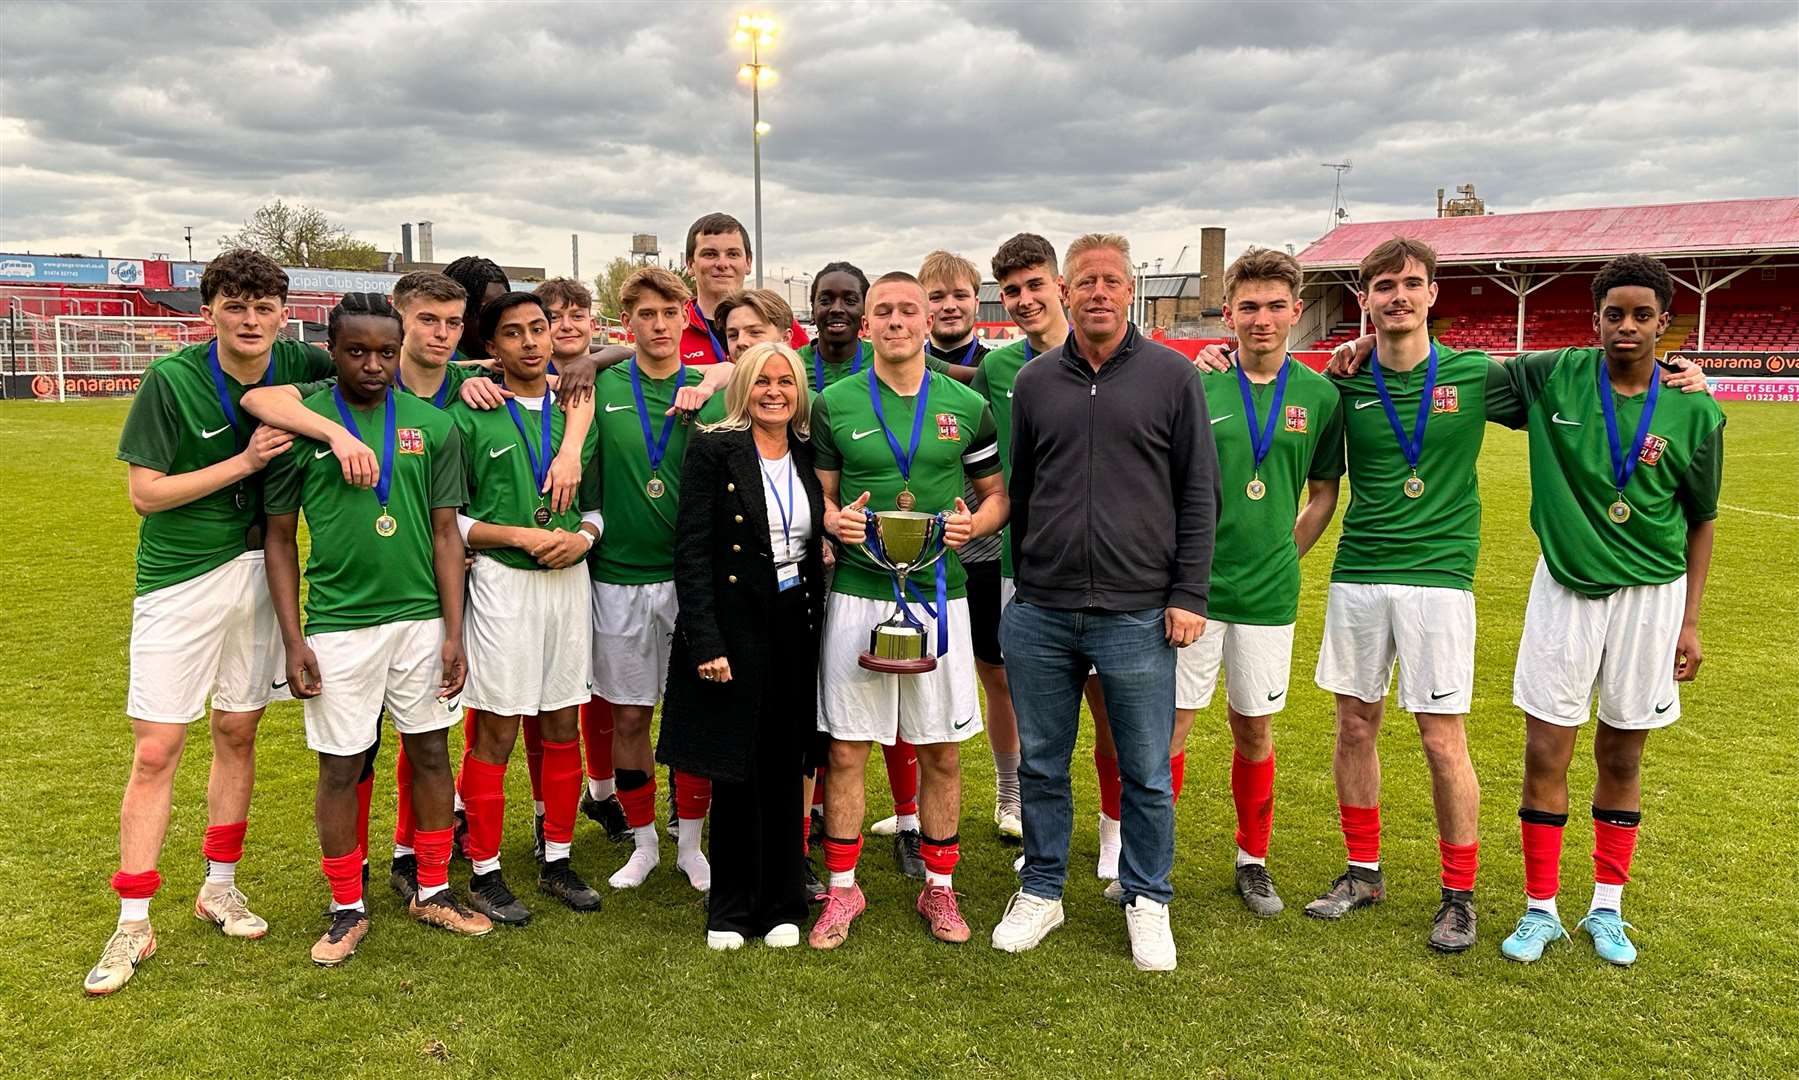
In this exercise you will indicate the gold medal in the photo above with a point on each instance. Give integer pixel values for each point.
(541, 515)
(385, 525)
(1414, 487)
(905, 500)
(1619, 511)
(1256, 489)
(655, 487)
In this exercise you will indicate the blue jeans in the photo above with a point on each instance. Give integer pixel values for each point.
(1048, 654)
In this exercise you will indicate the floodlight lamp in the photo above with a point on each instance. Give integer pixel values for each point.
(761, 128)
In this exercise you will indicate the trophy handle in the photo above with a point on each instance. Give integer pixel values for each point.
(871, 542)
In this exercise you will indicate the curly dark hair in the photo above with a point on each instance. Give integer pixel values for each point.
(1628, 270)
(361, 303)
(474, 274)
(245, 274)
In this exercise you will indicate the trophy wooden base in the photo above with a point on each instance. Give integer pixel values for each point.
(889, 666)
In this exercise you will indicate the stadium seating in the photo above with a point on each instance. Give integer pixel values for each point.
(1748, 328)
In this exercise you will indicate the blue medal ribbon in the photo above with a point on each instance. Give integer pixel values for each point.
(818, 365)
(719, 352)
(540, 460)
(385, 482)
(902, 458)
(656, 446)
(439, 399)
(226, 405)
(1261, 435)
(967, 354)
(1029, 353)
(1411, 445)
(1623, 466)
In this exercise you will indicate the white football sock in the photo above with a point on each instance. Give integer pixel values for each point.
(1608, 897)
(931, 878)
(134, 910)
(221, 873)
(687, 834)
(842, 879)
(600, 790)
(1244, 858)
(401, 850)
(426, 892)
(906, 823)
(553, 851)
(537, 807)
(486, 866)
(1531, 903)
(357, 906)
(1111, 843)
(1365, 865)
(646, 856)
(459, 808)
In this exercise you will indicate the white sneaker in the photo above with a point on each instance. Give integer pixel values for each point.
(1114, 892)
(784, 936)
(887, 826)
(1111, 842)
(1152, 943)
(697, 869)
(1018, 864)
(644, 858)
(1008, 822)
(1028, 920)
(723, 940)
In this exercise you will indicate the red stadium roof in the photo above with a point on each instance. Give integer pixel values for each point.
(1701, 228)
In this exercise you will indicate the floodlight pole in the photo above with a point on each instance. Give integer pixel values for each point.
(756, 138)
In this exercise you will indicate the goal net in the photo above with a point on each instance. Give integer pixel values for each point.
(88, 356)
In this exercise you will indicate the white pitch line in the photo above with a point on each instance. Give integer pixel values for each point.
(1760, 513)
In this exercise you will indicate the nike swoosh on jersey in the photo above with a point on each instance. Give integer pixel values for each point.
(317, 454)
(497, 451)
(617, 408)
(1008, 393)
(1364, 404)
(204, 434)
(863, 434)
(1222, 419)
(1557, 418)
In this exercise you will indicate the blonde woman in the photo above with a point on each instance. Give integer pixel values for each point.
(743, 678)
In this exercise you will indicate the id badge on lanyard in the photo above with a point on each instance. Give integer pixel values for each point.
(787, 575)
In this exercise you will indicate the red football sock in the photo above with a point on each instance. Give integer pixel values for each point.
(818, 789)
(1613, 846)
(1460, 861)
(596, 733)
(344, 874)
(1252, 789)
(433, 848)
(940, 856)
(1361, 831)
(365, 794)
(806, 836)
(468, 732)
(143, 886)
(405, 825)
(902, 775)
(224, 843)
(561, 790)
(693, 796)
(639, 804)
(1111, 788)
(534, 755)
(484, 799)
(1177, 771)
(1542, 859)
(841, 855)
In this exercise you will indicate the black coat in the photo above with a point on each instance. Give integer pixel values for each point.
(725, 585)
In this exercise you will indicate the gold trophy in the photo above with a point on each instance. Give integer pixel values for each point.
(902, 542)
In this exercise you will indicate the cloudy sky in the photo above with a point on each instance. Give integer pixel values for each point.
(897, 127)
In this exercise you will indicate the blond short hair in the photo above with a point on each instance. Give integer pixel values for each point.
(1093, 242)
(766, 303)
(948, 268)
(664, 283)
(747, 370)
(1263, 264)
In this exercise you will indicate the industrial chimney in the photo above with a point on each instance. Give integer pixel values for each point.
(406, 243)
(425, 252)
(1211, 264)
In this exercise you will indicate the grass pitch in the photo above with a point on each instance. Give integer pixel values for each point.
(632, 991)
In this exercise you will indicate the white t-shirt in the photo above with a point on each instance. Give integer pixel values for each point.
(787, 534)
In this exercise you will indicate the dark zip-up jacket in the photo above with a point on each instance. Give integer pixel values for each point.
(1114, 481)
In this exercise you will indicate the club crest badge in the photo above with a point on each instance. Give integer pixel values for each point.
(1444, 400)
(1296, 418)
(1652, 449)
(949, 429)
(410, 440)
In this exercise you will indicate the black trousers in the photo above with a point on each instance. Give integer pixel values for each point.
(758, 865)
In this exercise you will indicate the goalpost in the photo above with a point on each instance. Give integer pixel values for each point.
(106, 355)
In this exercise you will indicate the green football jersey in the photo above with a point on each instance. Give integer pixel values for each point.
(1255, 575)
(833, 372)
(1434, 539)
(356, 577)
(502, 488)
(1678, 473)
(958, 440)
(993, 381)
(638, 547)
(177, 425)
(449, 392)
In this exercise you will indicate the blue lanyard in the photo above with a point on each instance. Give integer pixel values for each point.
(384, 484)
(967, 354)
(540, 461)
(655, 446)
(1622, 466)
(818, 364)
(902, 458)
(439, 399)
(719, 352)
(1261, 435)
(1412, 444)
(218, 382)
(783, 507)
(1029, 354)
